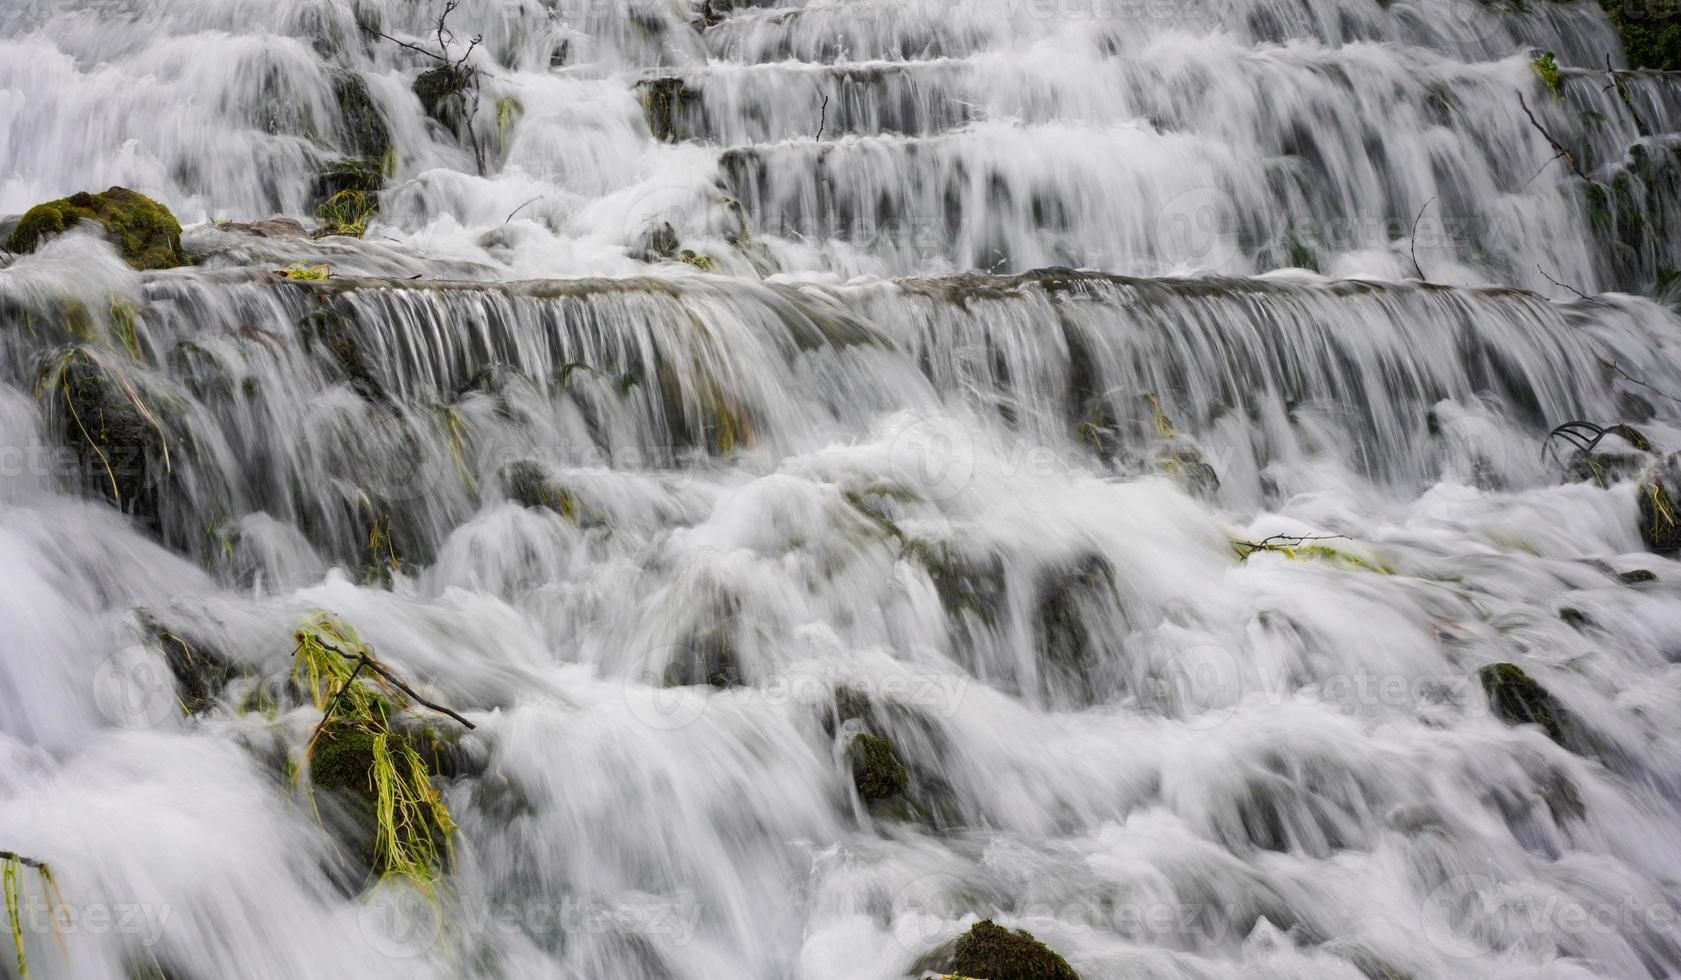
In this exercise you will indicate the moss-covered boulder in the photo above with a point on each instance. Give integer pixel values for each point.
(1519, 699)
(346, 196)
(200, 670)
(363, 130)
(344, 768)
(993, 952)
(144, 231)
(118, 438)
(876, 770)
(440, 93)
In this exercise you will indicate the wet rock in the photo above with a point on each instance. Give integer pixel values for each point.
(335, 331)
(1575, 617)
(993, 952)
(1066, 596)
(668, 103)
(200, 670)
(119, 446)
(144, 231)
(526, 483)
(266, 228)
(1660, 528)
(440, 93)
(1519, 700)
(876, 770)
(363, 130)
(346, 196)
(1637, 576)
(965, 585)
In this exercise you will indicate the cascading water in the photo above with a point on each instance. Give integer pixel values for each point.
(1126, 417)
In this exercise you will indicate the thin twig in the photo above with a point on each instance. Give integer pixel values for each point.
(822, 118)
(1562, 285)
(380, 669)
(1413, 242)
(1284, 540)
(1555, 144)
(522, 207)
(1634, 380)
(19, 858)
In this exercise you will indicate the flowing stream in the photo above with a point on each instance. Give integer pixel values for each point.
(717, 382)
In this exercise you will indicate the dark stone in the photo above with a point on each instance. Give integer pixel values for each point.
(363, 131)
(440, 93)
(876, 770)
(1637, 576)
(1518, 700)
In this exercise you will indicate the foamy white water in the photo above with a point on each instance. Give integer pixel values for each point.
(940, 353)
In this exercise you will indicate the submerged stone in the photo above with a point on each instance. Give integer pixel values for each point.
(1519, 700)
(144, 231)
(876, 770)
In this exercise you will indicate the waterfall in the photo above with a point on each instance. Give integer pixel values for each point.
(850, 469)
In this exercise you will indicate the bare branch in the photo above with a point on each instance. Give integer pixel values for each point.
(1555, 144)
(1561, 285)
(1413, 243)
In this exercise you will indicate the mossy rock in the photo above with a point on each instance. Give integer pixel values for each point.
(200, 670)
(440, 92)
(667, 103)
(345, 196)
(707, 657)
(526, 483)
(1519, 700)
(1660, 525)
(118, 448)
(1059, 619)
(144, 231)
(362, 126)
(341, 768)
(876, 770)
(964, 584)
(335, 330)
(992, 952)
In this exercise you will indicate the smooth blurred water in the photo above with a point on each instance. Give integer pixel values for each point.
(882, 436)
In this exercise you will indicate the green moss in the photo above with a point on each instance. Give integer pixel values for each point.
(1637, 576)
(995, 953)
(1519, 700)
(667, 102)
(876, 770)
(964, 585)
(362, 127)
(346, 195)
(1546, 69)
(1659, 528)
(528, 484)
(119, 440)
(144, 231)
(440, 92)
(704, 263)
